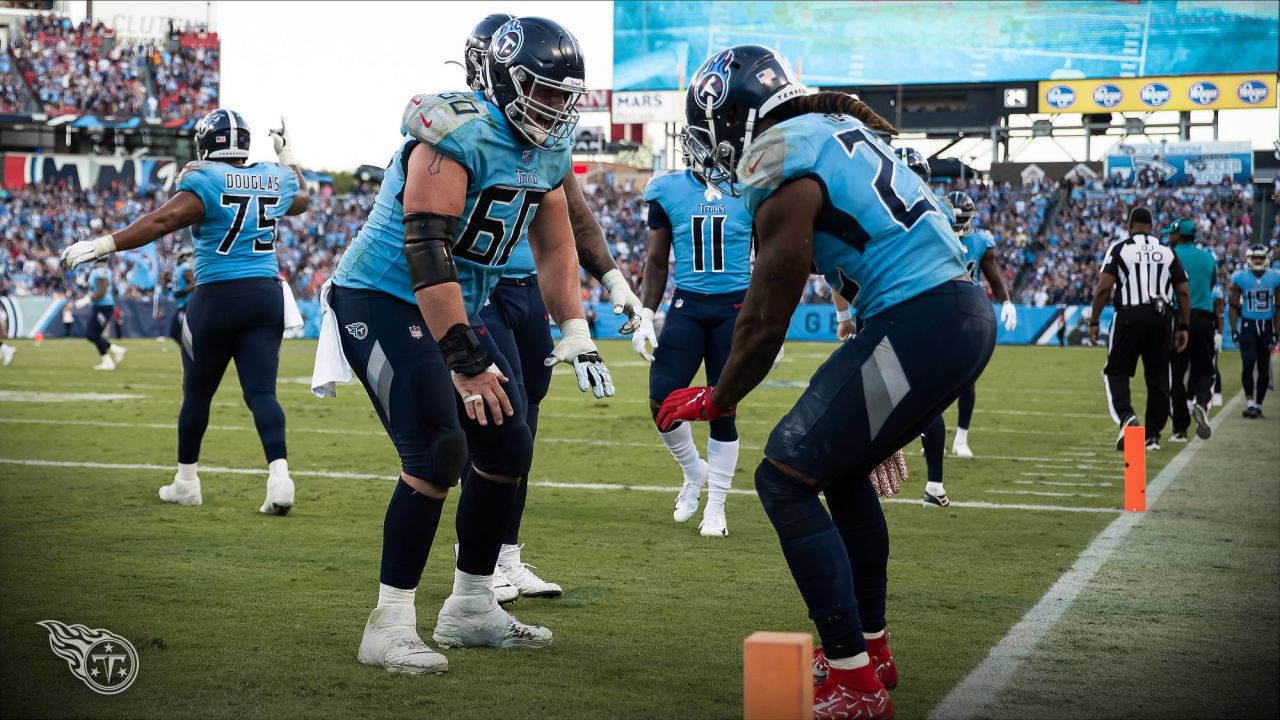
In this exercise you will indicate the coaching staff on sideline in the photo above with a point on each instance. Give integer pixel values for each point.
(1143, 275)
(1201, 271)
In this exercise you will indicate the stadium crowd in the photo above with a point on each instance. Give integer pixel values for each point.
(36, 222)
(82, 68)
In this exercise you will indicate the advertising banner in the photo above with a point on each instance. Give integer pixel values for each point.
(659, 106)
(1194, 92)
(85, 171)
(1206, 163)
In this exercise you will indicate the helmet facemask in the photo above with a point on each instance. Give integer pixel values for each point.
(716, 169)
(544, 111)
(1258, 258)
(475, 68)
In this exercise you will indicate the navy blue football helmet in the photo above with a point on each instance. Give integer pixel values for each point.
(914, 160)
(729, 94)
(222, 135)
(534, 72)
(963, 208)
(477, 44)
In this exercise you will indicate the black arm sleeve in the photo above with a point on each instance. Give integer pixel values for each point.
(658, 219)
(428, 248)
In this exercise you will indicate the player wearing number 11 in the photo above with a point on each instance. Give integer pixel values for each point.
(237, 308)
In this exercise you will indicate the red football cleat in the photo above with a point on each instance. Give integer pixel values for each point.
(882, 660)
(848, 694)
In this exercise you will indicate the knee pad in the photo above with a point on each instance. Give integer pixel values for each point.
(511, 456)
(449, 459)
(724, 429)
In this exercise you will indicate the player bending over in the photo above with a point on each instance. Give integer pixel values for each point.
(237, 308)
(825, 191)
(1254, 316)
(515, 316)
(711, 234)
(406, 296)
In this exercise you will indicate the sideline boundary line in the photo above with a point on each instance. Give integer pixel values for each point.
(218, 470)
(983, 686)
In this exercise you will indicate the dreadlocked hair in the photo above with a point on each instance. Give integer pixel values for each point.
(833, 103)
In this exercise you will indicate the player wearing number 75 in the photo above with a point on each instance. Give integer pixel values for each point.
(825, 191)
(237, 308)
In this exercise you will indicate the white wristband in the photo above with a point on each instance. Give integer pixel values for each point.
(844, 315)
(612, 278)
(575, 327)
(285, 157)
(647, 314)
(104, 246)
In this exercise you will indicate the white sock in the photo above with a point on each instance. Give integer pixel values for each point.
(1253, 403)
(466, 584)
(873, 636)
(680, 442)
(187, 473)
(934, 488)
(962, 436)
(509, 555)
(278, 468)
(860, 660)
(388, 596)
(722, 459)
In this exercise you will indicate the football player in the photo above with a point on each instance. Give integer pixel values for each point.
(1254, 312)
(515, 316)
(824, 190)
(237, 307)
(182, 282)
(6, 350)
(711, 234)
(102, 298)
(407, 295)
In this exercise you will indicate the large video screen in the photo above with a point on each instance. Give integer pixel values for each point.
(658, 44)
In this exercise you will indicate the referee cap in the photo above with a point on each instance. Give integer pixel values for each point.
(1185, 228)
(1141, 215)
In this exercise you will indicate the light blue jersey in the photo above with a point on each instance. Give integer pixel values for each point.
(235, 238)
(181, 288)
(710, 233)
(976, 244)
(520, 264)
(880, 238)
(506, 181)
(1257, 294)
(101, 273)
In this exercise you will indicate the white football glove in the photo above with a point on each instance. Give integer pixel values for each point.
(1009, 315)
(778, 359)
(622, 298)
(645, 335)
(1217, 342)
(79, 253)
(577, 349)
(283, 144)
(80, 304)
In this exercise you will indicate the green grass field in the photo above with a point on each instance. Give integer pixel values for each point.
(239, 615)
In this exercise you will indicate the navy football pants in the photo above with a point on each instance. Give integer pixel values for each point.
(241, 320)
(100, 318)
(1257, 338)
(698, 328)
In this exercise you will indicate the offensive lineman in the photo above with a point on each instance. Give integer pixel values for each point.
(711, 233)
(1254, 316)
(823, 190)
(515, 316)
(237, 308)
(406, 293)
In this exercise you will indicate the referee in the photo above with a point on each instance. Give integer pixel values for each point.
(1201, 271)
(1144, 275)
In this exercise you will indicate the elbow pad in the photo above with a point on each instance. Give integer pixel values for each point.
(428, 248)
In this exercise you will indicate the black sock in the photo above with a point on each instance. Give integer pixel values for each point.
(407, 532)
(483, 512)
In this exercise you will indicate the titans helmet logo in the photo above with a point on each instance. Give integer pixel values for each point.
(207, 122)
(712, 81)
(508, 41)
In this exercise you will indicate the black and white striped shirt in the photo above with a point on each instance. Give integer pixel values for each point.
(1145, 271)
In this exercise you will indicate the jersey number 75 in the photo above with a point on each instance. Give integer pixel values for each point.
(264, 244)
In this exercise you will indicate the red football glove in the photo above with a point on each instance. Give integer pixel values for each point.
(687, 405)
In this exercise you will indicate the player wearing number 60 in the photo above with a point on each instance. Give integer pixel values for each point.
(824, 190)
(237, 308)
(483, 170)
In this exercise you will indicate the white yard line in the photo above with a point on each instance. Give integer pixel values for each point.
(672, 489)
(1041, 493)
(974, 695)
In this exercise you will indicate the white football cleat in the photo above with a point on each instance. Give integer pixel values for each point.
(690, 494)
(182, 492)
(391, 641)
(713, 524)
(117, 352)
(520, 574)
(106, 363)
(6, 353)
(477, 621)
(961, 449)
(1216, 401)
(503, 590)
(279, 496)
